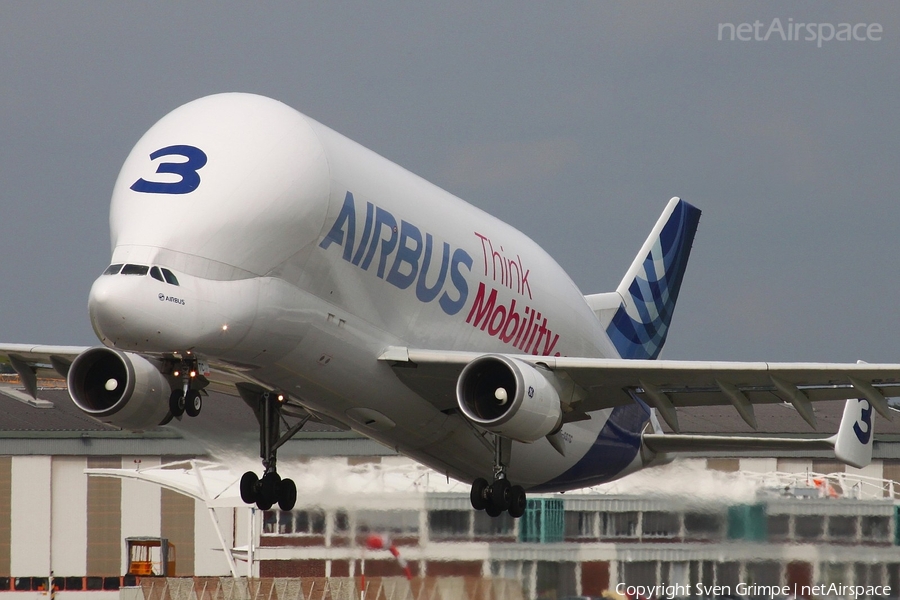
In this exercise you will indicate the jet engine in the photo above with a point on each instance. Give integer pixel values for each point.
(119, 388)
(509, 397)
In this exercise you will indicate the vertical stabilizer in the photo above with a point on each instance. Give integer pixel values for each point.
(650, 288)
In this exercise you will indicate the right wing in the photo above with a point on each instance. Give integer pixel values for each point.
(597, 383)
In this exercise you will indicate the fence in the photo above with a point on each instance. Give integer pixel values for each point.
(325, 588)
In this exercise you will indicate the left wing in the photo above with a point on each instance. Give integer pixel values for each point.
(604, 383)
(30, 362)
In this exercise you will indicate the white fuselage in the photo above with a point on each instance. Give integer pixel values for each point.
(300, 256)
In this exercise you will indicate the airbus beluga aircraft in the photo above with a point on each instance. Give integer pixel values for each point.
(259, 253)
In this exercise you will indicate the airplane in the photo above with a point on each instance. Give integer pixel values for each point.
(258, 253)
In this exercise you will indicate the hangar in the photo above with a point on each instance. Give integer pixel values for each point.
(72, 490)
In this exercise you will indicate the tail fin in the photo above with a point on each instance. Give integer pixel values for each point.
(853, 441)
(645, 300)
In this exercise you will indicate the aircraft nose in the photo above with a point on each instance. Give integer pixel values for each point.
(107, 318)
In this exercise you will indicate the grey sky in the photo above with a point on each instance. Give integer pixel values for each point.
(574, 121)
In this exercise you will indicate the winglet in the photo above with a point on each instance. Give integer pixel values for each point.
(650, 287)
(853, 441)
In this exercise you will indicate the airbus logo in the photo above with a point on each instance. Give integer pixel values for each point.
(163, 298)
(412, 255)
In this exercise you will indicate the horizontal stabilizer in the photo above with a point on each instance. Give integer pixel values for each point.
(852, 444)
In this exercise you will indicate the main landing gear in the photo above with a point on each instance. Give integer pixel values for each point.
(187, 398)
(271, 488)
(501, 495)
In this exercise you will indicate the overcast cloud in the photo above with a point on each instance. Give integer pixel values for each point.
(574, 121)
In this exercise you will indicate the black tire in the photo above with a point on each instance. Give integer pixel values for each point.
(500, 494)
(249, 487)
(193, 403)
(478, 495)
(269, 487)
(264, 504)
(493, 511)
(287, 495)
(517, 501)
(176, 403)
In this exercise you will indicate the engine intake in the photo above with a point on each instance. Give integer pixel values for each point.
(509, 397)
(119, 388)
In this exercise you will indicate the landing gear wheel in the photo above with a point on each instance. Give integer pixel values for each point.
(500, 494)
(269, 488)
(193, 403)
(493, 511)
(517, 501)
(287, 495)
(176, 403)
(249, 487)
(478, 495)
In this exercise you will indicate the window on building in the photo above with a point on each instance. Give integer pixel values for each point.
(893, 575)
(394, 522)
(640, 570)
(341, 522)
(580, 524)
(660, 524)
(875, 529)
(309, 522)
(808, 527)
(833, 573)
(728, 573)
(764, 572)
(869, 574)
(619, 525)
(707, 526)
(299, 522)
(487, 526)
(448, 524)
(556, 578)
(703, 572)
(778, 527)
(842, 527)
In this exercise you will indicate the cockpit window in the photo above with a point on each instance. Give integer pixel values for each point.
(170, 276)
(135, 269)
(155, 274)
(113, 269)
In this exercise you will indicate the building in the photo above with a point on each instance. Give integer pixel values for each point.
(710, 520)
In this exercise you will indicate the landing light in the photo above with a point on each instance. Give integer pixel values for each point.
(280, 397)
(193, 373)
(176, 372)
(224, 327)
(111, 384)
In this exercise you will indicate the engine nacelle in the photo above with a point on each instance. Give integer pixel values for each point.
(509, 397)
(119, 388)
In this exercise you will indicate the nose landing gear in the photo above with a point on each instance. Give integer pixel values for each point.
(501, 495)
(187, 398)
(271, 488)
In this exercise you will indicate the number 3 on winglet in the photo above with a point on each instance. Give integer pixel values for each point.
(865, 417)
